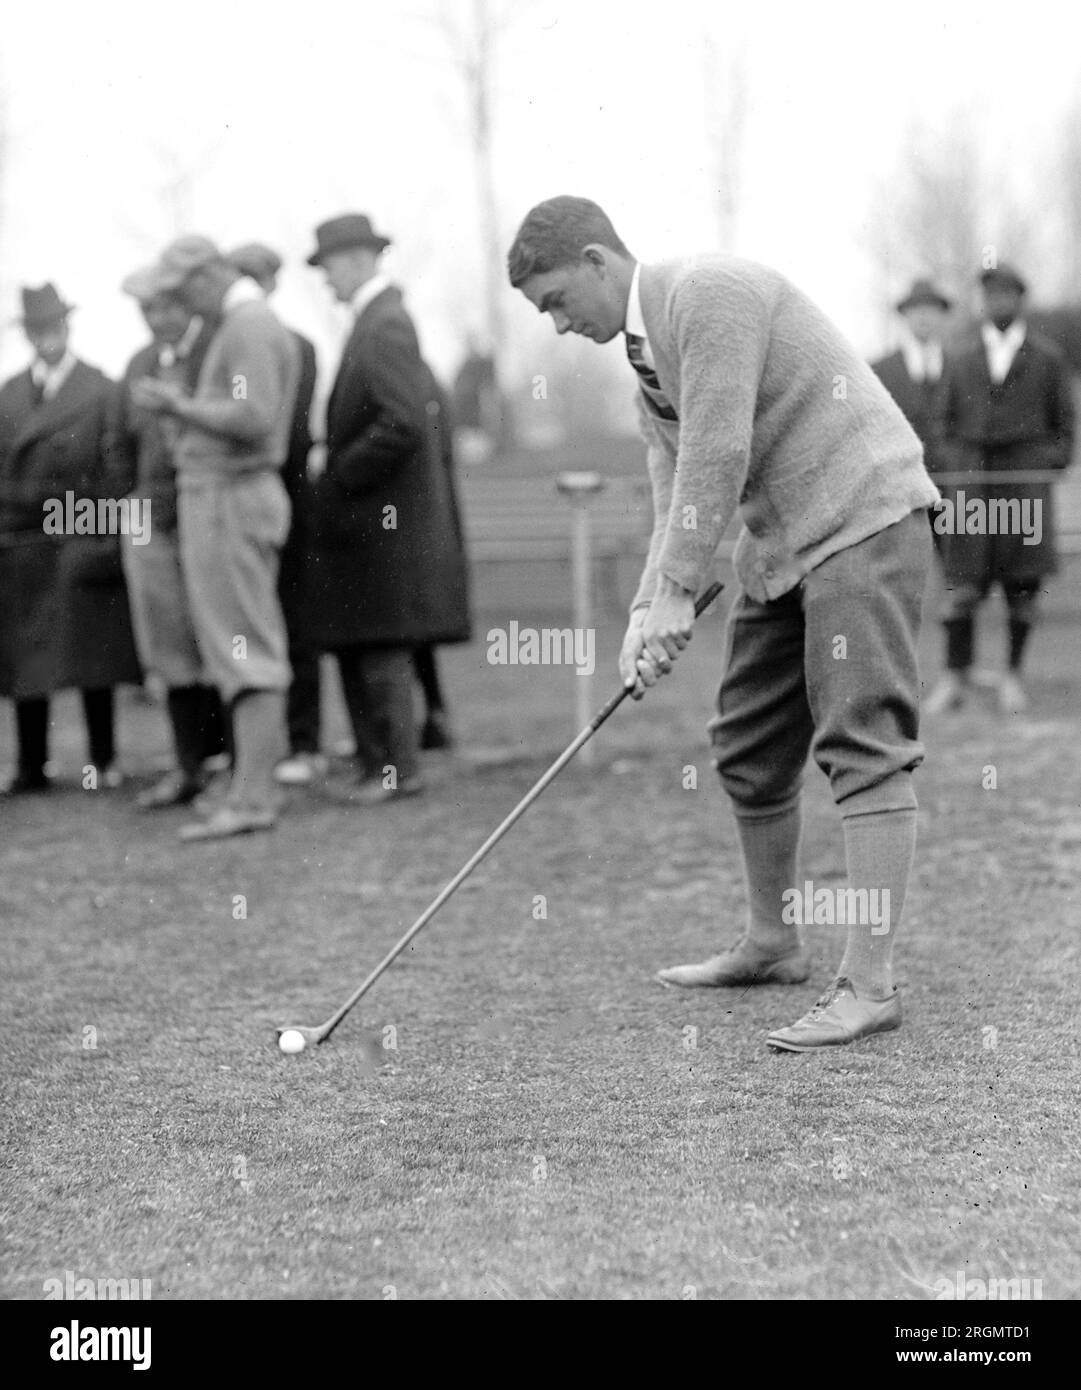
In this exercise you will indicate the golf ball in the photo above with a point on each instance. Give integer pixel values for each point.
(292, 1040)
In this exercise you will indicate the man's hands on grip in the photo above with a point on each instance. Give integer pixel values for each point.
(655, 637)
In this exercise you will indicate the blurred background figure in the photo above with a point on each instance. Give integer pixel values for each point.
(1007, 408)
(475, 404)
(64, 620)
(913, 374)
(305, 761)
(389, 569)
(233, 515)
(164, 629)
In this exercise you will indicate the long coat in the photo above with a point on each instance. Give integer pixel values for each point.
(1024, 422)
(64, 618)
(388, 565)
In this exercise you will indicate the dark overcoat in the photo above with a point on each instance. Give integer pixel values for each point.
(388, 566)
(64, 618)
(1024, 422)
(920, 401)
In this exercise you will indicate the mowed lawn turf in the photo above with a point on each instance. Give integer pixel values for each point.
(517, 1110)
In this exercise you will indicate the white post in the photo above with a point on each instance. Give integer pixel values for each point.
(579, 489)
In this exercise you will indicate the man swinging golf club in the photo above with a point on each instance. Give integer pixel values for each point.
(749, 397)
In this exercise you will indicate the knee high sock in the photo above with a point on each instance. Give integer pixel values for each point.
(879, 848)
(770, 848)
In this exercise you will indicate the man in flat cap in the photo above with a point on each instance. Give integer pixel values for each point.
(305, 762)
(913, 373)
(1007, 408)
(391, 573)
(64, 620)
(161, 612)
(233, 514)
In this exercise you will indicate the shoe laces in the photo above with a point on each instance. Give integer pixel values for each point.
(838, 987)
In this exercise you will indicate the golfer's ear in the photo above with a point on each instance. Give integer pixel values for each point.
(596, 256)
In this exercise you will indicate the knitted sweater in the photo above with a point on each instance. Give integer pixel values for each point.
(254, 361)
(778, 416)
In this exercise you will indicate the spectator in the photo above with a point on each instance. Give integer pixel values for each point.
(64, 618)
(233, 514)
(161, 615)
(390, 571)
(1007, 408)
(305, 761)
(913, 374)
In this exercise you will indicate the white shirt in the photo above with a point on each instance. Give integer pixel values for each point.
(923, 360)
(636, 324)
(1002, 348)
(367, 292)
(242, 291)
(50, 379)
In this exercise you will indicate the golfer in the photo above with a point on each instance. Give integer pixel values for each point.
(750, 398)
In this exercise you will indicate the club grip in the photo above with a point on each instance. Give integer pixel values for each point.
(705, 599)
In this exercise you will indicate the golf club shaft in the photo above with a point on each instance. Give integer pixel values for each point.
(493, 839)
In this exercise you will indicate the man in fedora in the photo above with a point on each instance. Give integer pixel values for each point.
(1007, 408)
(161, 613)
(64, 620)
(391, 574)
(233, 514)
(305, 761)
(913, 373)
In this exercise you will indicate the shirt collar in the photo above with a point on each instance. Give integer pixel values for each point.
(367, 292)
(635, 324)
(1013, 336)
(922, 360)
(241, 291)
(52, 378)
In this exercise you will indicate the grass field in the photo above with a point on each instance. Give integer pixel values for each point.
(518, 1111)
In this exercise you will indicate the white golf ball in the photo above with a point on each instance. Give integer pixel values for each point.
(292, 1040)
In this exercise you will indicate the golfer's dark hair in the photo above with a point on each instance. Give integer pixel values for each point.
(555, 233)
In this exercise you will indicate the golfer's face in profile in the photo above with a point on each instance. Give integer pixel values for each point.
(579, 300)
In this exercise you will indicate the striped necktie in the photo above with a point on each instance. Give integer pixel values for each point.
(651, 383)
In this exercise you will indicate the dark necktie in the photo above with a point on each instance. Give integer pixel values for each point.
(651, 383)
(37, 391)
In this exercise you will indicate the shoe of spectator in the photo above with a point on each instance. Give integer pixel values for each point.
(174, 789)
(435, 731)
(229, 820)
(1011, 695)
(23, 785)
(949, 694)
(213, 796)
(372, 792)
(301, 770)
(218, 762)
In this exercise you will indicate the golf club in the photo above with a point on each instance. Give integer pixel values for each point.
(324, 1030)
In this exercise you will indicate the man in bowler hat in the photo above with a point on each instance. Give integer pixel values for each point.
(64, 620)
(390, 572)
(913, 373)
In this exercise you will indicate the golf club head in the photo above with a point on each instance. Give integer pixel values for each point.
(310, 1035)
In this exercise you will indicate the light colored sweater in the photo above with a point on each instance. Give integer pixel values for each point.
(252, 364)
(778, 416)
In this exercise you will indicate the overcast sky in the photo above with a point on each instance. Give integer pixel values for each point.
(281, 116)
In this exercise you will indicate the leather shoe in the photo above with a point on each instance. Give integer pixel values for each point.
(174, 789)
(372, 792)
(229, 820)
(743, 964)
(25, 783)
(840, 1016)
